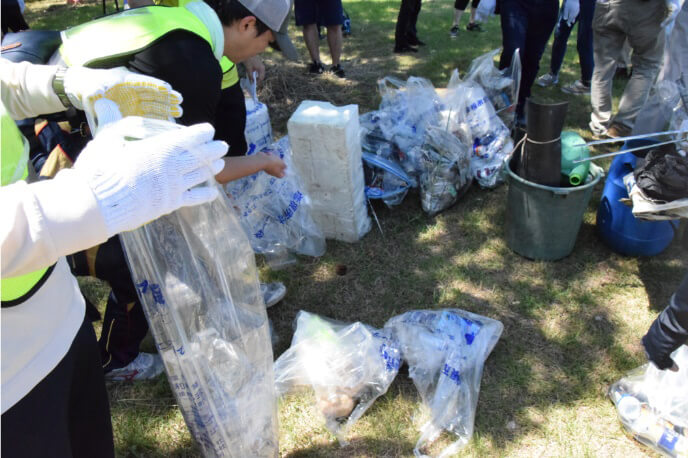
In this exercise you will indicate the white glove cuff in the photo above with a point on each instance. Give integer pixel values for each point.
(115, 200)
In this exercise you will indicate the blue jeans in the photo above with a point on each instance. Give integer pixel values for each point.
(526, 25)
(583, 41)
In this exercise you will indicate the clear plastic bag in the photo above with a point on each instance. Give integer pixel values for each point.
(501, 86)
(196, 277)
(445, 351)
(258, 130)
(653, 405)
(276, 212)
(385, 179)
(472, 118)
(348, 366)
(446, 170)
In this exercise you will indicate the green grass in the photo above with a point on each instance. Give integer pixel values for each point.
(571, 327)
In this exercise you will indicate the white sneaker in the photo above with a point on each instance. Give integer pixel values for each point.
(145, 366)
(272, 293)
(547, 80)
(576, 88)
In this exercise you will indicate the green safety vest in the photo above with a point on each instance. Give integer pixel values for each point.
(108, 39)
(15, 157)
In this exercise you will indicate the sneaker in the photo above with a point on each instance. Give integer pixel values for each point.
(617, 131)
(454, 31)
(272, 293)
(145, 366)
(316, 68)
(576, 88)
(547, 80)
(337, 70)
(474, 27)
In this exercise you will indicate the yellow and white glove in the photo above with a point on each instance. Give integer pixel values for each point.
(134, 94)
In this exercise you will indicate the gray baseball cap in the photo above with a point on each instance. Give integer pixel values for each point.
(275, 14)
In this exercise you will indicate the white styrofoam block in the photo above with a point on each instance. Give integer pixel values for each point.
(327, 155)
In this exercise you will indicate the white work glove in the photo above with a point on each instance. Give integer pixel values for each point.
(140, 169)
(673, 7)
(570, 11)
(134, 94)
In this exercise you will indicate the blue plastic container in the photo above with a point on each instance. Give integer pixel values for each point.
(616, 225)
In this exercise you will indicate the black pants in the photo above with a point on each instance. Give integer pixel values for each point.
(462, 4)
(12, 18)
(124, 324)
(67, 414)
(406, 23)
(526, 25)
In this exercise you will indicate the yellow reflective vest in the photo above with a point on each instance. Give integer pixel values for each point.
(96, 43)
(14, 151)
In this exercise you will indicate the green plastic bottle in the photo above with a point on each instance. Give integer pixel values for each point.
(576, 173)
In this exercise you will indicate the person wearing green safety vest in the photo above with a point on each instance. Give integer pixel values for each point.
(54, 401)
(194, 47)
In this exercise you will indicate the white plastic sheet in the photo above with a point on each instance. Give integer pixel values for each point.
(445, 351)
(348, 366)
(196, 277)
(653, 405)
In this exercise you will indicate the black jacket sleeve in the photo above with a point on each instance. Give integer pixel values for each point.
(670, 330)
(186, 61)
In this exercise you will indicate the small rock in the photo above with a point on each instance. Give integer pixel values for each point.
(511, 425)
(598, 318)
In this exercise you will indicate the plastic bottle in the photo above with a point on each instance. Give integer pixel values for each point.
(569, 153)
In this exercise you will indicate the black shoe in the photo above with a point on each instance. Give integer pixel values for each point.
(337, 70)
(454, 31)
(474, 27)
(414, 41)
(316, 68)
(404, 48)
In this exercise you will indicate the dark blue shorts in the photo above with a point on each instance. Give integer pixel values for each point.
(321, 12)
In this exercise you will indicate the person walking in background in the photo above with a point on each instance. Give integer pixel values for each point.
(405, 34)
(310, 13)
(567, 19)
(459, 8)
(526, 26)
(642, 23)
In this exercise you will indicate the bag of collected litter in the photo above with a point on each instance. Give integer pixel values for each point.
(258, 130)
(501, 86)
(385, 179)
(653, 405)
(445, 351)
(196, 277)
(276, 212)
(446, 170)
(471, 116)
(348, 366)
(406, 109)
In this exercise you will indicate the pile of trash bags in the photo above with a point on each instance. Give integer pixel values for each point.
(275, 213)
(418, 138)
(348, 366)
(653, 405)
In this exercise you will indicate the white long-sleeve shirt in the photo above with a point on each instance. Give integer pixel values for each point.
(40, 223)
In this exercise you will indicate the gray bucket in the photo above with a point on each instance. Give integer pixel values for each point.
(542, 222)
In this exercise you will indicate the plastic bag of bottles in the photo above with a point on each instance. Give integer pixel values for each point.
(501, 86)
(471, 117)
(258, 130)
(653, 405)
(275, 213)
(445, 351)
(385, 179)
(406, 110)
(348, 366)
(196, 277)
(446, 170)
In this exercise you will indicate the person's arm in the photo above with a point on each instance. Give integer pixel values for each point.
(27, 89)
(670, 330)
(243, 166)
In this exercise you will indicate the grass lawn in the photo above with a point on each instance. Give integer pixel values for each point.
(571, 327)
